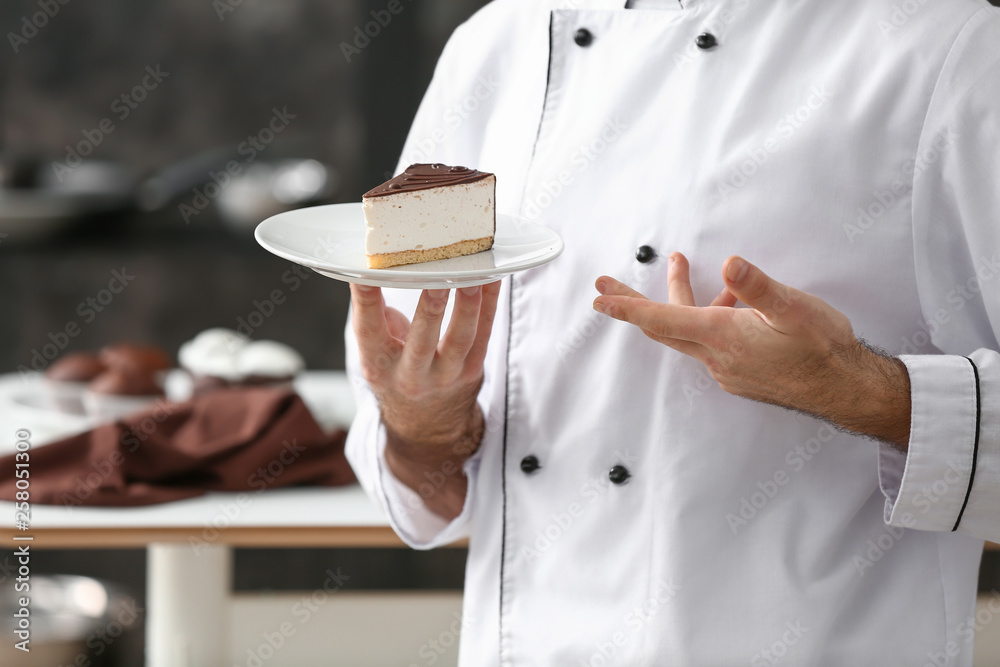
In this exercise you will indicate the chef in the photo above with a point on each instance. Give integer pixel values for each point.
(752, 414)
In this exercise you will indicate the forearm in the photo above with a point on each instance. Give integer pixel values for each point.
(866, 392)
(434, 468)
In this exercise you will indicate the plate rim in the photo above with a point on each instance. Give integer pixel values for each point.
(398, 276)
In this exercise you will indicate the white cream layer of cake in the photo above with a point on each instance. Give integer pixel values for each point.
(431, 218)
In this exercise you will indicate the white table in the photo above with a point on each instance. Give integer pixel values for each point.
(189, 542)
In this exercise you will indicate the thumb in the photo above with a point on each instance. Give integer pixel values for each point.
(755, 288)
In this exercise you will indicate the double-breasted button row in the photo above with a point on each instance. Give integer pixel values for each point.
(618, 474)
(704, 41)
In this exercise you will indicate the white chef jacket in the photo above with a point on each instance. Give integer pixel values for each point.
(850, 149)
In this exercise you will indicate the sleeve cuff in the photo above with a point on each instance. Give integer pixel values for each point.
(409, 517)
(405, 510)
(928, 487)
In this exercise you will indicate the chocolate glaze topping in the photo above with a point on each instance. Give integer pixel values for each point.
(426, 176)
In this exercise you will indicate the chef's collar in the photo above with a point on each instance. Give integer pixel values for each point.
(654, 4)
(620, 4)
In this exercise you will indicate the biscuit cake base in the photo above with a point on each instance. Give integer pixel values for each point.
(427, 213)
(385, 260)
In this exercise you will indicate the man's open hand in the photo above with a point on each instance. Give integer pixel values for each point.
(788, 348)
(427, 384)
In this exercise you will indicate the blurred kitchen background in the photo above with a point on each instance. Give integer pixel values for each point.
(198, 78)
(155, 96)
(222, 69)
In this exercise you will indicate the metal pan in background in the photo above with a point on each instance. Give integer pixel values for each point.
(35, 204)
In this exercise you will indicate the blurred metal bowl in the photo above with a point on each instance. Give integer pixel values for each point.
(243, 194)
(43, 205)
(269, 188)
(70, 617)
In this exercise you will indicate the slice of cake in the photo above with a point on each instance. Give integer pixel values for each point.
(429, 212)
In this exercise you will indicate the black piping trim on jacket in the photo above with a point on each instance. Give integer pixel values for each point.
(506, 392)
(975, 447)
(503, 461)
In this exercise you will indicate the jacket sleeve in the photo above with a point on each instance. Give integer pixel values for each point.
(432, 138)
(949, 479)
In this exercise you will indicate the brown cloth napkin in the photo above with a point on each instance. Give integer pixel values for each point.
(247, 439)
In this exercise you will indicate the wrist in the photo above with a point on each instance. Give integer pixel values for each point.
(435, 470)
(428, 446)
(870, 394)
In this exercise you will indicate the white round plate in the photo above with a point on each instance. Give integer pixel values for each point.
(331, 241)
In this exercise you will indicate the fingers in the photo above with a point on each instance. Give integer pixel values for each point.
(678, 284)
(755, 288)
(623, 302)
(699, 352)
(464, 341)
(399, 325)
(461, 333)
(679, 281)
(609, 286)
(662, 320)
(724, 299)
(368, 316)
(376, 347)
(425, 330)
(487, 313)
